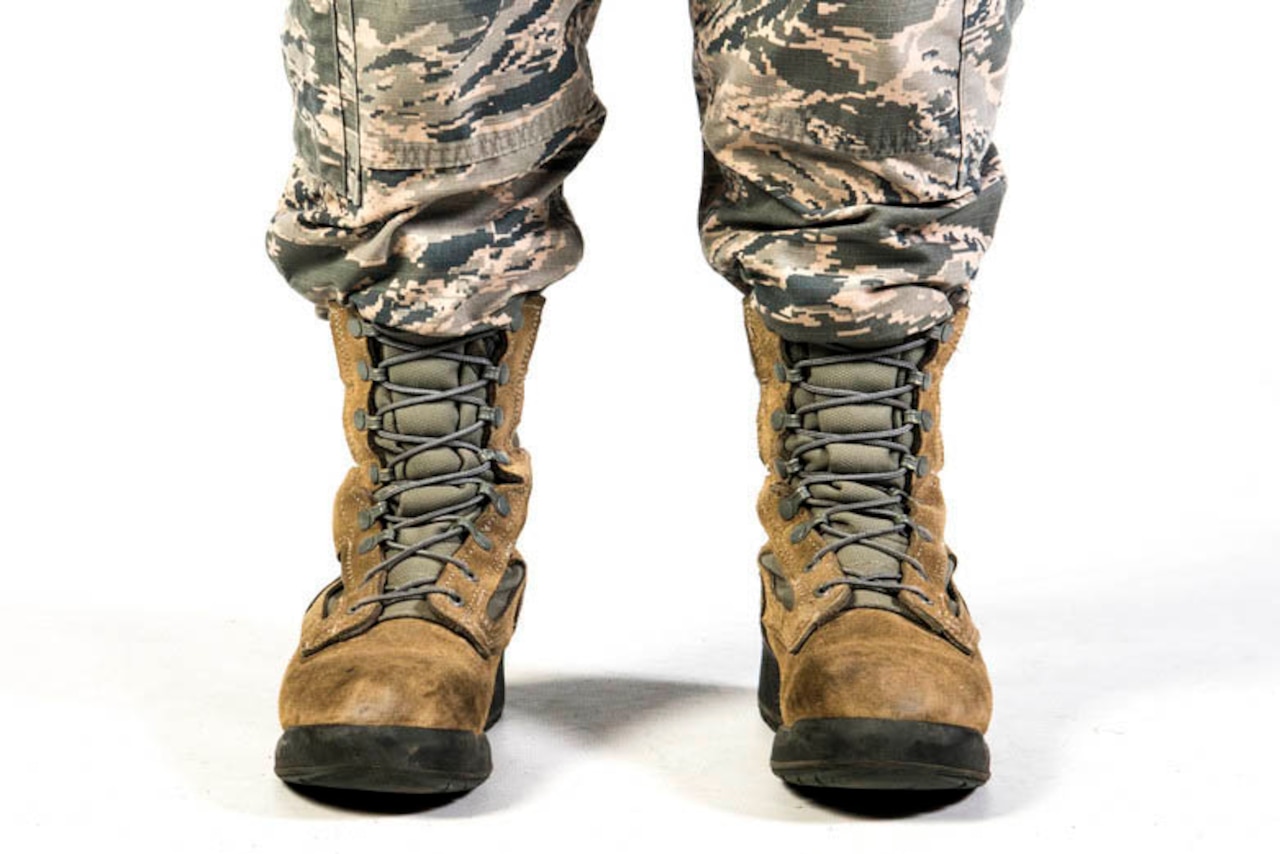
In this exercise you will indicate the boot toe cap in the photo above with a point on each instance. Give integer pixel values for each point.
(401, 672)
(878, 664)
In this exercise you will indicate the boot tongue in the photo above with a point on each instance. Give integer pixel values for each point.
(434, 420)
(860, 559)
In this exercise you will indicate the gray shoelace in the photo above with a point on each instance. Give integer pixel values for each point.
(892, 504)
(396, 450)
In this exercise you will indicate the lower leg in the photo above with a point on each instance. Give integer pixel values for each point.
(851, 184)
(851, 191)
(423, 216)
(432, 146)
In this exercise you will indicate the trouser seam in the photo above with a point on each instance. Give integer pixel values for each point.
(493, 144)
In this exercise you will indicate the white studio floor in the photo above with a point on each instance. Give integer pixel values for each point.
(173, 438)
(1147, 732)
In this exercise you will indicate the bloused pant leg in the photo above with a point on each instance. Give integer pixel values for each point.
(851, 183)
(433, 138)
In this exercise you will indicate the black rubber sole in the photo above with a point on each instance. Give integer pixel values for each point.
(408, 760)
(870, 753)
(400, 759)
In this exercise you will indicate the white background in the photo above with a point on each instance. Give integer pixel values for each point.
(173, 434)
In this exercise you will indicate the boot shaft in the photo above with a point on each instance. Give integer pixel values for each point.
(852, 505)
(426, 521)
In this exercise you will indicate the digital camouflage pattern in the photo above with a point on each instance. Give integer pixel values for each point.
(852, 187)
(851, 184)
(433, 137)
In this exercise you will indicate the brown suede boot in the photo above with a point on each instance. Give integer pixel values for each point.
(871, 674)
(399, 671)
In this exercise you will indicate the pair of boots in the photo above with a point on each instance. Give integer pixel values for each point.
(870, 676)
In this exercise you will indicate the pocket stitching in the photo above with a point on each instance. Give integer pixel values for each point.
(582, 106)
(767, 123)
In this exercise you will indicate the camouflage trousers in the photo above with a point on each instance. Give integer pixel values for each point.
(851, 186)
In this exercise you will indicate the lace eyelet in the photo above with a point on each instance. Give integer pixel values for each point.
(369, 516)
(500, 374)
(786, 468)
(921, 418)
(786, 509)
(364, 421)
(918, 466)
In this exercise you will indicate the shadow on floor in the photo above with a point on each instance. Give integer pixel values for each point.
(706, 740)
(375, 803)
(201, 687)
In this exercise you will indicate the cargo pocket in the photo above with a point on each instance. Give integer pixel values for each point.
(830, 104)
(313, 67)
(447, 83)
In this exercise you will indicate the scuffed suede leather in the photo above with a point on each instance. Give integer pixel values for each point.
(352, 668)
(401, 672)
(866, 663)
(869, 663)
(790, 627)
(930, 510)
(319, 629)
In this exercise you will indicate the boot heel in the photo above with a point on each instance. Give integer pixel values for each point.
(768, 696)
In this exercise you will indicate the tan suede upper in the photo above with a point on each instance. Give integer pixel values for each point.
(352, 668)
(837, 662)
(401, 672)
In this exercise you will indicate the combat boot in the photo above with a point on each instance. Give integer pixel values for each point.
(871, 674)
(399, 670)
